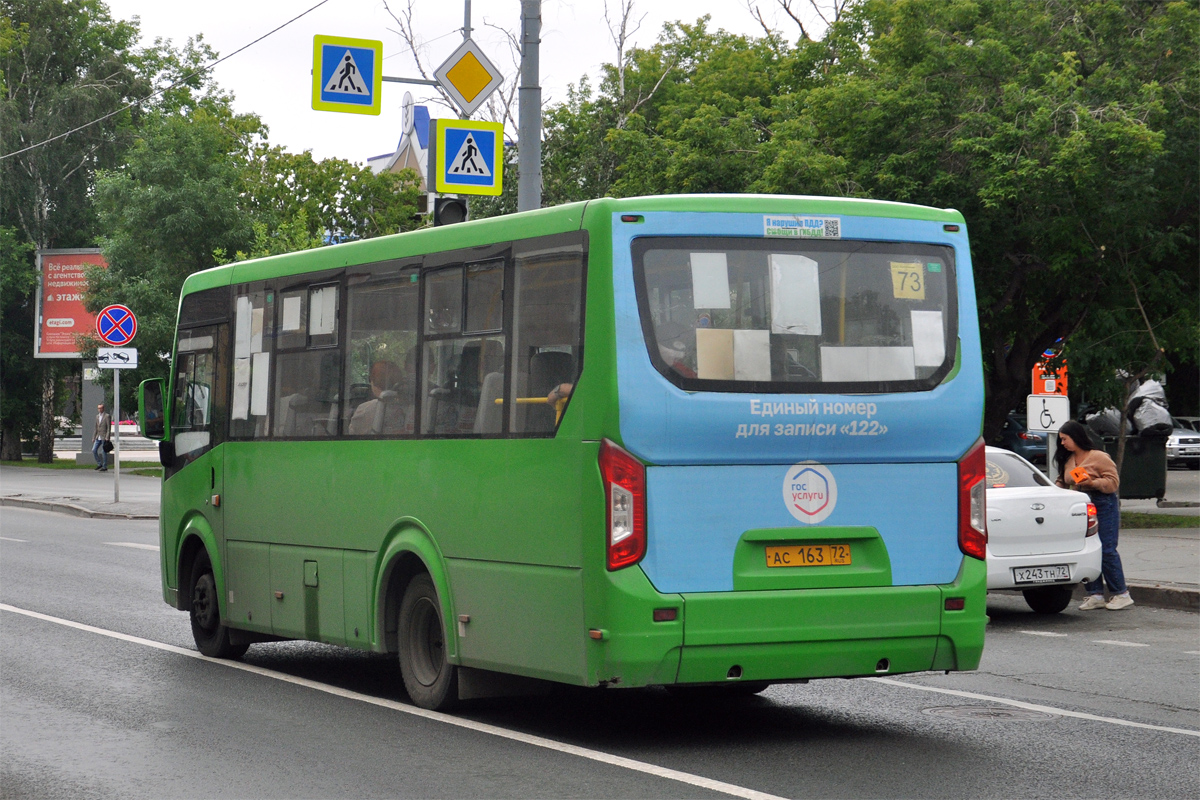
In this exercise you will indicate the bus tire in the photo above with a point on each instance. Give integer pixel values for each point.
(208, 629)
(431, 680)
(1048, 599)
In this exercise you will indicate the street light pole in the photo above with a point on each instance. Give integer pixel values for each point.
(529, 126)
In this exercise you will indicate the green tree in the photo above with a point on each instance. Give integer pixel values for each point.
(1065, 131)
(62, 63)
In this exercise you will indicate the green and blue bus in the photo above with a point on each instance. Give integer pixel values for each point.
(688, 441)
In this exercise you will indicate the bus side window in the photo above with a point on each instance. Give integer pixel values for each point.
(198, 406)
(380, 389)
(308, 371)
(547, 331)
(254, 333)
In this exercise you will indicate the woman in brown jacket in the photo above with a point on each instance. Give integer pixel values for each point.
(1076, 452)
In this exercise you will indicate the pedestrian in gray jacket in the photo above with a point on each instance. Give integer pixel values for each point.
(103, 434)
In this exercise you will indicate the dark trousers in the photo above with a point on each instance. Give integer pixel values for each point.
(1108, 514)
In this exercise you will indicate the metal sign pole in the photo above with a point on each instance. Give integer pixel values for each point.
(117, 435)
(529, 126)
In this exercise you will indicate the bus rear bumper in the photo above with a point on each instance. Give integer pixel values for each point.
(822, 633)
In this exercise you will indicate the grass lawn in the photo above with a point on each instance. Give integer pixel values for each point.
(149, 470)
(1131, 519)
(60, 463)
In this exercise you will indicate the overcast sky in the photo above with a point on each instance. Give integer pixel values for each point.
(272, 79)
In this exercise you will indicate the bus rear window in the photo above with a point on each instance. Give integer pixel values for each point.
(732, 314)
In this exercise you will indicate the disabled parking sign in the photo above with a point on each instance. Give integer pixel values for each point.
(468, 156)
(347, 74)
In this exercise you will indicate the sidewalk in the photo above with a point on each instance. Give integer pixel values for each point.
(80, 492)
(1162, 565)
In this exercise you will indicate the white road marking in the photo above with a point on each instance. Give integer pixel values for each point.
(1192, 652)
(480, 727)
(153, 547)
(1042, 633)
(1121, 644)
(1033, 706)
(10, 539)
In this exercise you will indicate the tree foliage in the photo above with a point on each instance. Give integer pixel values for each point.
(1065, 131)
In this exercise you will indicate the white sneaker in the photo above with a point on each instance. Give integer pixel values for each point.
(1093, 602)
(1119, 601)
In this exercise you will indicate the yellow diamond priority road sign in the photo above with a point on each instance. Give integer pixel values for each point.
(468, 77)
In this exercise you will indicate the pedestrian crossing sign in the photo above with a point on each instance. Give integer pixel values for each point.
(468, 156)
(347, 74)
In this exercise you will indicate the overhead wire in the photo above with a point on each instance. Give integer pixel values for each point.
(156, 93)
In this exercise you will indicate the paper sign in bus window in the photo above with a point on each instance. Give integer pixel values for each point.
(710, 280)
(795, 295)
(260, 367)
(241, 342)
(751, 355)
(241, 388)
(322, 311)
(908, 280)
(291, 312)
(256, 330)
(853, 364)
(714, 354)
(929, 338)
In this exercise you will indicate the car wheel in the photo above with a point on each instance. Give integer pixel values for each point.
(208, 629)
(431, 680)
(1048, 599)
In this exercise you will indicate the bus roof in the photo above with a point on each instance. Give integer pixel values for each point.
(558, 219)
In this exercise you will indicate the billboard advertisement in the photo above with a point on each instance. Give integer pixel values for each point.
(60, 313)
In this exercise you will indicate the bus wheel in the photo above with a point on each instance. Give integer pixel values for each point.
(431, 680)
(210, 633)
(1048, 599)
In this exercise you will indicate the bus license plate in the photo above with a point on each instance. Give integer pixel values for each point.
(1056, 572)
(809, 555)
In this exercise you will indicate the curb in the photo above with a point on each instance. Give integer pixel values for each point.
(69, 508)
(1158, 595)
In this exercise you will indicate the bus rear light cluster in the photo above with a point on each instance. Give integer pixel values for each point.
(1093, 520)
(972, 520)
(625, 499)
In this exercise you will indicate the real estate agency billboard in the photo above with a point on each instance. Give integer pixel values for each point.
(61, 316)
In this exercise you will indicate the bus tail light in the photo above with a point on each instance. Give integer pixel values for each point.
(625, 495)
(972, 519)
(1093, 520)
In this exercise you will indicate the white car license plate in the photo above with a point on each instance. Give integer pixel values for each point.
(1050, 574)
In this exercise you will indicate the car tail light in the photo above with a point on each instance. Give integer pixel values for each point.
(1093, 520)
(1029, 437)
(972, 519)
(625, 495)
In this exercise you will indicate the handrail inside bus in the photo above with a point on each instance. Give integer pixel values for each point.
(559, 404)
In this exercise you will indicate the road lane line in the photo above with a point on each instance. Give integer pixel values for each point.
(1035, 707)
(1119, 643)
(1042, 633)
(10, 539)
(480, 727)
(153, 547)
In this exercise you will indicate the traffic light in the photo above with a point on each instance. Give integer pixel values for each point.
(449, 210)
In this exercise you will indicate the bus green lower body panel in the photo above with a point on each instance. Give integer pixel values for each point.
(819, 633)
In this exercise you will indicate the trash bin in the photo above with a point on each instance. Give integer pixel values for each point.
(1144, 473)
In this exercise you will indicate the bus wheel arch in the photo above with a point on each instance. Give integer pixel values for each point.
(196, 536)
(410, 551)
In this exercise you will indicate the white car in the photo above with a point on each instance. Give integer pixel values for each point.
(1041, 539)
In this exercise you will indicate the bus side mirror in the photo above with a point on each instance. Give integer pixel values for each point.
(151, 418)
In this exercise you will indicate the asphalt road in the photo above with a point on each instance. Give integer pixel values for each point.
(127, 709)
